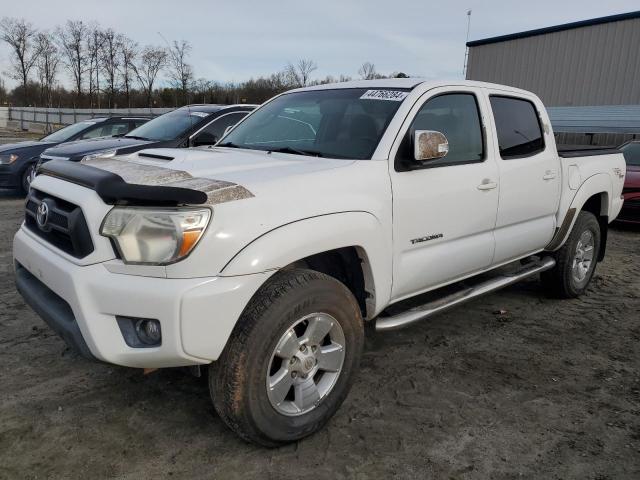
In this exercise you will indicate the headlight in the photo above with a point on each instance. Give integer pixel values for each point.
(155, 236)
(8, 159)
(102, 154)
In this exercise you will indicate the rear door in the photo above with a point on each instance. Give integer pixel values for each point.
(529, 169)
(444, 210)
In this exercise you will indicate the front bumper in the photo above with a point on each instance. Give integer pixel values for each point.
(10, 175)
(196, 315)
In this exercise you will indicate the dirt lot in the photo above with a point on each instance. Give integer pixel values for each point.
(550, 389)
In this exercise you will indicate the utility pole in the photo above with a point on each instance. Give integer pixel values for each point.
(466, 49)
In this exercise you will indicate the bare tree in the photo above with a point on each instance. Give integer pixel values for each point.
(47, 65)
(110, 58)
(94, 46)
(20, 36)
(180, 72)
(298, 75)
(201, 87)
(151, 61)
(367, 71)
(128, 54)
(72, 41)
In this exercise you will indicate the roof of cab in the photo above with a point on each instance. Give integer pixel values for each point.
(212, 108)
(409, 83)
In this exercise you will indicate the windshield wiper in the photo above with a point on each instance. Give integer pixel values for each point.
(135, 137)
(228, 145)
(296, 151)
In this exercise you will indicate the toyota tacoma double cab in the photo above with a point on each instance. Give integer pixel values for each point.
(322, 211)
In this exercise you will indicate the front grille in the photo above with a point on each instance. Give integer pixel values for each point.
(65, 227)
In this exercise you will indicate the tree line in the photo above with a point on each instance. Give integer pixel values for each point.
(107, 69)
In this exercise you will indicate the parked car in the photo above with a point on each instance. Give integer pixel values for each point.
(190, 126)
(630, 212)
(18, 159)
(328, 205)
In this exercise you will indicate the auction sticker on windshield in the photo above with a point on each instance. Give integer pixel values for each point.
(392, 95)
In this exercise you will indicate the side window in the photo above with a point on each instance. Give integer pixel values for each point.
(457, 116)
(137, 123)
(632, 153)
(518, 127)
(214, 131)
(108, 130)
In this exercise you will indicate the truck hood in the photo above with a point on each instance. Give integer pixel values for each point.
(224, 174)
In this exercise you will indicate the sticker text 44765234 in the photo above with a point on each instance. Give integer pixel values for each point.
(389, 95)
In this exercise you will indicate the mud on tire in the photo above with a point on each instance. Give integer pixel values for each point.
(239, 380)
(573, 271)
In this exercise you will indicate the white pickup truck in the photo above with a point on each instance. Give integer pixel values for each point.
(323, 210)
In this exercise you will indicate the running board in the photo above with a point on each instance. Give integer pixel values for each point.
(409, 317)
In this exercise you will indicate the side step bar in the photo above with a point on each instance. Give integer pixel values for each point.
(401, 320)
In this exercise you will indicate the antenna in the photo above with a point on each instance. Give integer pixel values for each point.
(466, 49)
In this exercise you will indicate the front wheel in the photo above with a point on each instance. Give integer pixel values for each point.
(576, 260)
(291, 360)
(27, 176)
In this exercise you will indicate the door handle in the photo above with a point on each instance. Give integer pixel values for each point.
(549, 175)
(487, 184)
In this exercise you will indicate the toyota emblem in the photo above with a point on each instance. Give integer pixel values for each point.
(42, 215)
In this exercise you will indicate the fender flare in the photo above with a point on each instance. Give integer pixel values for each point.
(595, 185)
(289, 243)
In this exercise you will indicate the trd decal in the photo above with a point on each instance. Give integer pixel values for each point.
(427, 238)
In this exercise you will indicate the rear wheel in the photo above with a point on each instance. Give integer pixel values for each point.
(291, 359)
(576, 260)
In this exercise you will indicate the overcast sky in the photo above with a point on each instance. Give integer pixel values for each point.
(238, 39)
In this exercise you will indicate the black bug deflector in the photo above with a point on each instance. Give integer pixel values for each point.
(126, 182)
(114, 190)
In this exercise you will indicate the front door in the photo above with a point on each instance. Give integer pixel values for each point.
(444, 210)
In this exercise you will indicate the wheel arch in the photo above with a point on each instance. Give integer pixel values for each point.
(350, 246)
(593, 196)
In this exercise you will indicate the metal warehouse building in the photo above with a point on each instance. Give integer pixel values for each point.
(591, 63)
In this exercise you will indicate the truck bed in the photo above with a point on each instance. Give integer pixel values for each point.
(571, 151)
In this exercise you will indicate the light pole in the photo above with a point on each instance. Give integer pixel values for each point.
(466, 49)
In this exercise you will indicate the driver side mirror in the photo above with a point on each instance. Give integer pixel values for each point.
(429, 145)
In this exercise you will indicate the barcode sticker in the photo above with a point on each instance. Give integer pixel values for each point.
(390, 95)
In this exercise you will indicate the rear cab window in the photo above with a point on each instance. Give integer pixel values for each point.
(518, 127)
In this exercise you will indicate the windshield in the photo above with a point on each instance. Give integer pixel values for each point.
(631, 153)
(337, 123)
(169, 126)
(66, 133)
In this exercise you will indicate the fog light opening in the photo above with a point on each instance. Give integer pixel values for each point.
(148, 331)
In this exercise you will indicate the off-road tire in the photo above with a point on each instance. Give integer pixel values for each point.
(559, 281)
(237, 381)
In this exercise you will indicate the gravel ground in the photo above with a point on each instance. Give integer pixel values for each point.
(513, 385)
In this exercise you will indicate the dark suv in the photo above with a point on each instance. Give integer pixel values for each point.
(18, 159)
(190, 126)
